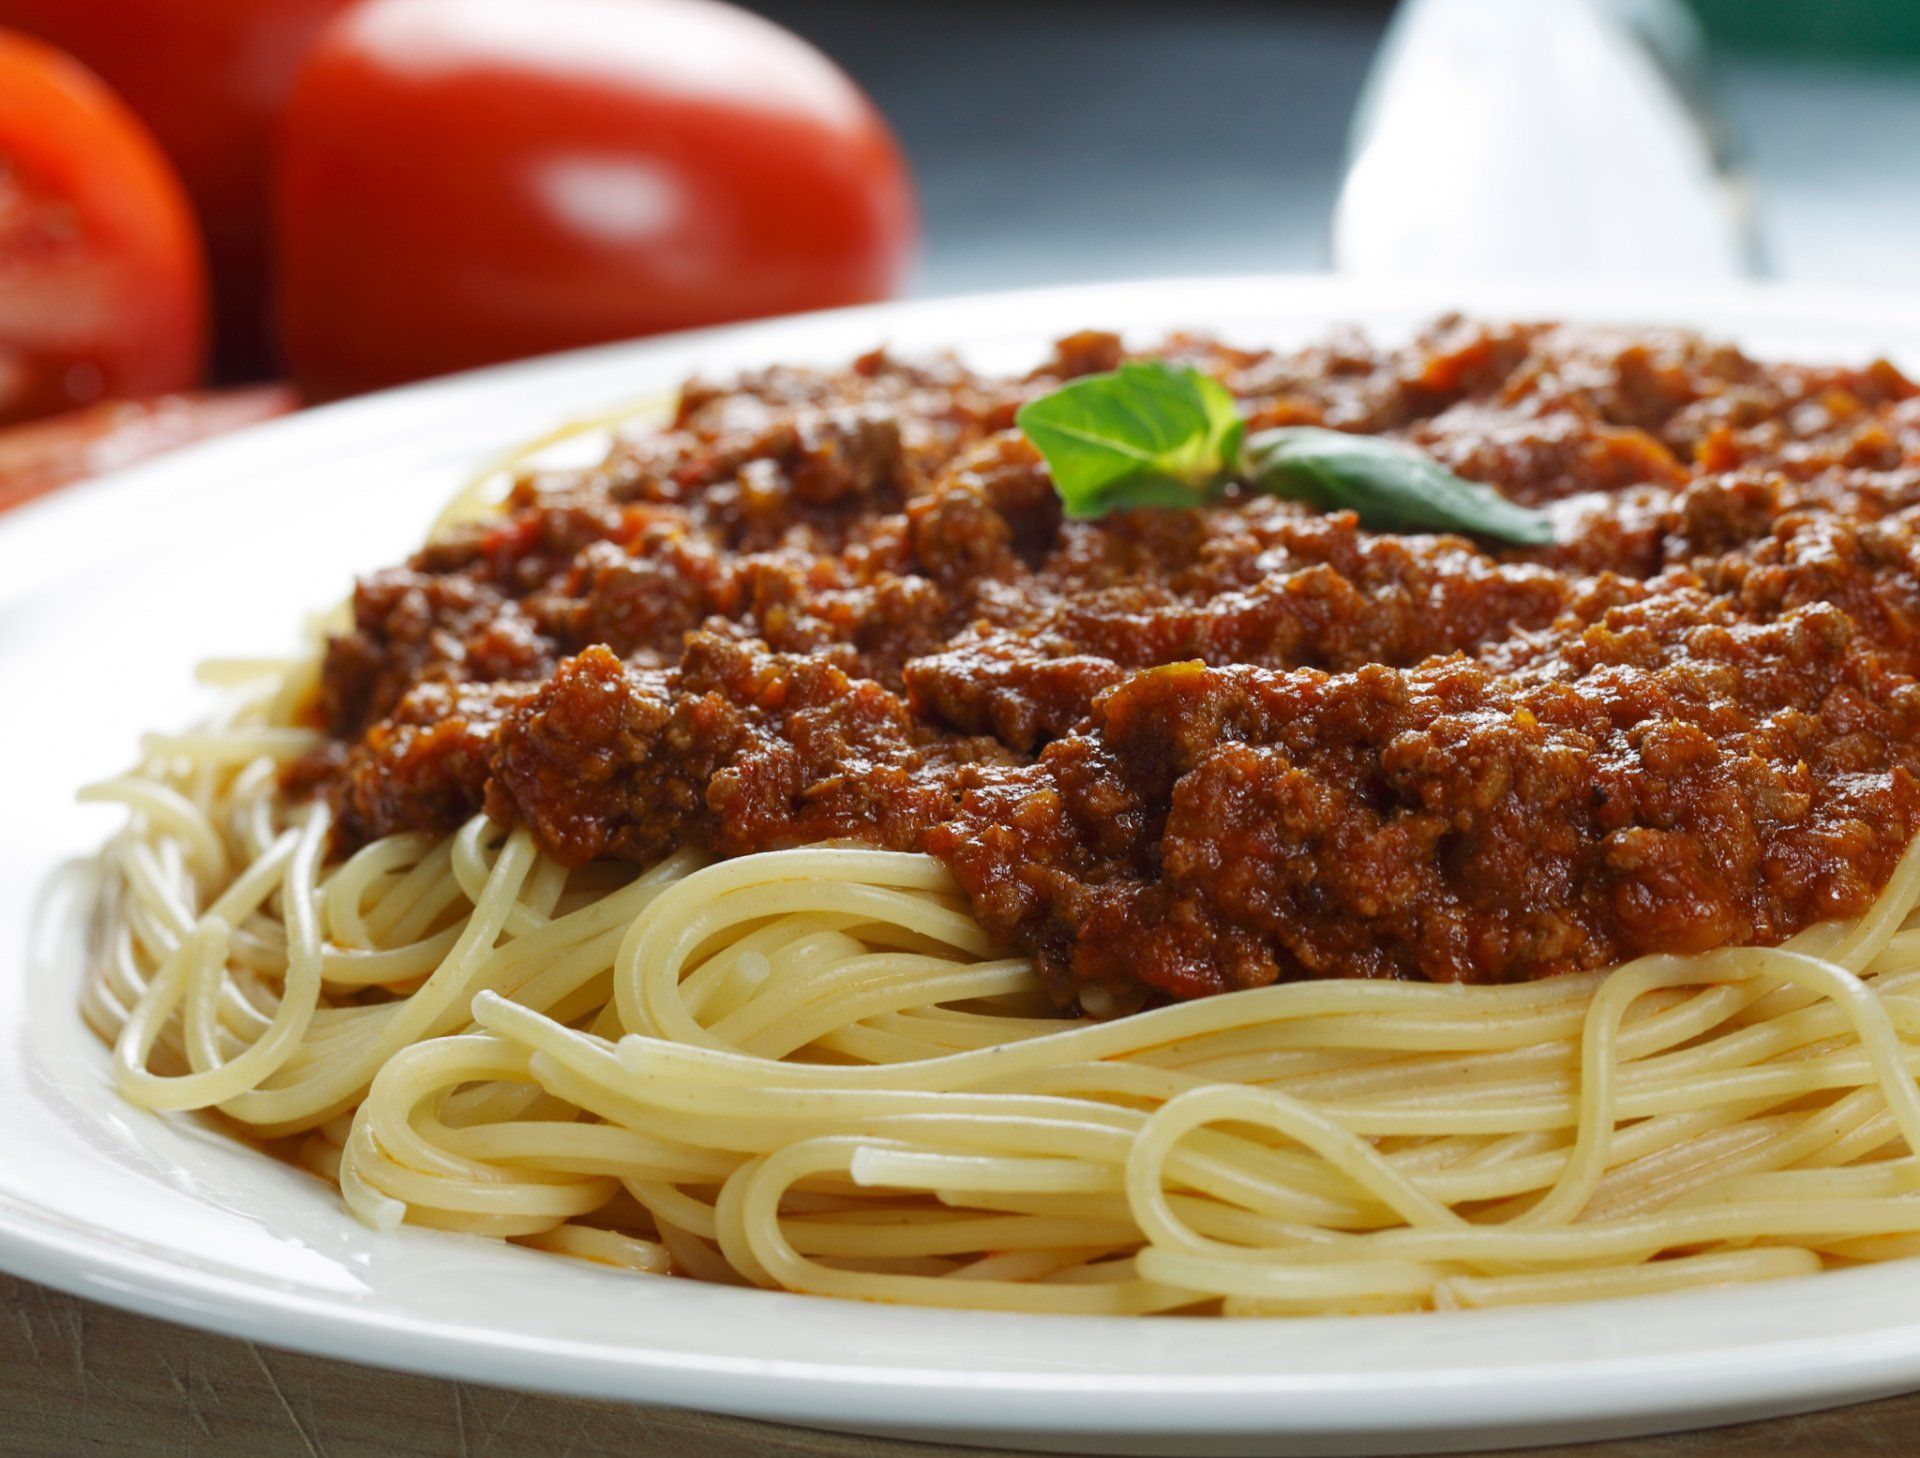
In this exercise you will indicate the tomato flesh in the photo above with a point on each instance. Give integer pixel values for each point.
(102, 285)
(41, 455)
(210, 78)
(467, 181)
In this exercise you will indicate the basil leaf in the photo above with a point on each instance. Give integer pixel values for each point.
(1152, 434)
(1146, 434)
(1390, 486)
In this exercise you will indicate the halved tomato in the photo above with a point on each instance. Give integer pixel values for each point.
(210, 78)
(41, 455)
(102, 281)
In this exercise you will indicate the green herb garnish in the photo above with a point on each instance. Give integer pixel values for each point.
(1150, 434)
(1391, 487)
(1145, 435)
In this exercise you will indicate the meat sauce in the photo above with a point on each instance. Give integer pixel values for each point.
(1176, 752)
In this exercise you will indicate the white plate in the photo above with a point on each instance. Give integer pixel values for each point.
(110, 592)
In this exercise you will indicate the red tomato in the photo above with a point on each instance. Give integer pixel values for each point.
(466, 181)
(43, 454)
(102, 286)
(210, 78)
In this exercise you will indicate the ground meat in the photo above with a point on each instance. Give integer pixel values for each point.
(1172, 753)
(424, 766)
(742, 749)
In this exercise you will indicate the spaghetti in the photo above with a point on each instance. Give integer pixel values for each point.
(811, 1070)
(518, 959)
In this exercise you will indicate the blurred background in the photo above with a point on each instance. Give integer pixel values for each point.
(213, 212)
(1194, 136)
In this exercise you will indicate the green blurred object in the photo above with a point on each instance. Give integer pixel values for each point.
(1876, 29)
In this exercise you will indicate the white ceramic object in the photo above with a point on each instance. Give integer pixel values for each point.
(110, 591)
(1508, 139)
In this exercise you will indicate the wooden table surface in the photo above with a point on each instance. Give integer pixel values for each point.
(80, 1378)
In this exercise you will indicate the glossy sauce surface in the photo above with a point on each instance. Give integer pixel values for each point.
(1173, 753)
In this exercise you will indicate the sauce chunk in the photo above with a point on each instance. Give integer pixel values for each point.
(1177, 752)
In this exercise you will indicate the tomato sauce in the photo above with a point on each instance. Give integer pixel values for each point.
(1177, 752)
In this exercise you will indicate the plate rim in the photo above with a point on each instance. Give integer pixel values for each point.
(1583, 1397)
(1593, 1398)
